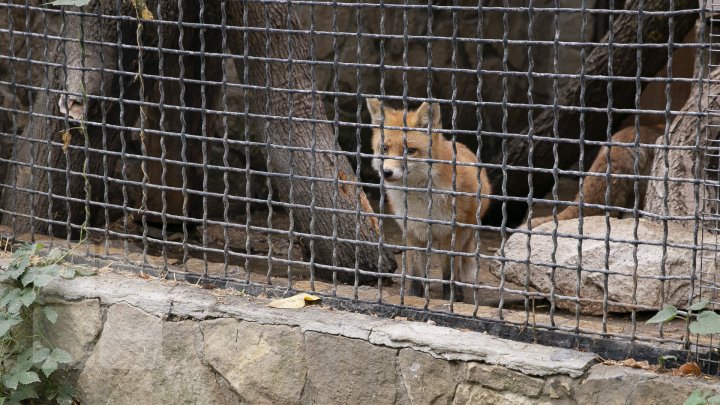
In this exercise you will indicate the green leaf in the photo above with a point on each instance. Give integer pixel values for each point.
(40, 276)
(27, 296)
(25, 356)
(699, 305)
(65, 400)
(11, 294)
(708, 323)
(14, 306)
(666, 315)
(50, 314)
(78, 3)
(40, 354)
(665, 358)
(6, 324)
(49, 366)
(22, 394)
(714, 400)
(23, 364)
(696, 398)
(28, 377)
(65, 392)
(61, 356)
(10, 381)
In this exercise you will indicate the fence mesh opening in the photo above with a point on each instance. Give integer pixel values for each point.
(542, 170)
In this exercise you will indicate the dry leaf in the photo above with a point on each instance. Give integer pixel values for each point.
(296, 301)
(145, 14)
(689, 369)
(66, 138)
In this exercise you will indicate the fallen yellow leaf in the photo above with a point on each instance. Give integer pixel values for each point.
(296, 301)
(66, 138)
(145, 14)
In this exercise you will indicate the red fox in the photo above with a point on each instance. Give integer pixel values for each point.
(622, 161)
(391, 165)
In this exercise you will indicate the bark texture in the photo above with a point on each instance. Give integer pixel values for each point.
(682, 166)
(48, 180)
(316, 204)
(656, 29)
(46, 191)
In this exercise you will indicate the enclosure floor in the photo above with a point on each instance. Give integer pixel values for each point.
(264, 271)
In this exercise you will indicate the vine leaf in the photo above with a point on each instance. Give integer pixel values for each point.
(699, 305)
(666, 315)
(707, 323)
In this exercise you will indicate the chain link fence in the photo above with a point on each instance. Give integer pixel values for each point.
(544, 171)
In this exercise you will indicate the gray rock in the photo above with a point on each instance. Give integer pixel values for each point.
(75, 330)
(621, 264)
(141, 359)
(610, 385)
(426, 379)
(530, 359)
(348, 371)
(502, 379)
(478, 394)
(263, 363)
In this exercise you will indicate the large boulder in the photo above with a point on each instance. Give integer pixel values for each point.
(622, 270)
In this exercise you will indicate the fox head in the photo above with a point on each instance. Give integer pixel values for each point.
(414, 142)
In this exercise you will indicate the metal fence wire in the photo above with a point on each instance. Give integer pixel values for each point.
(543, 170)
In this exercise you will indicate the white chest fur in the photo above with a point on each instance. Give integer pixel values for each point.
(419, 209)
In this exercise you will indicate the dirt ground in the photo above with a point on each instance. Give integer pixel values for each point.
(203, 251)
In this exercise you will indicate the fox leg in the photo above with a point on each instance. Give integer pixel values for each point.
(445, 261)
(416, 266)
(470, 266)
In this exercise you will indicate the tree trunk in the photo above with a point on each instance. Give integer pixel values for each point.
(655, 30)
(683, 165)
(46, 190)
(315, 202)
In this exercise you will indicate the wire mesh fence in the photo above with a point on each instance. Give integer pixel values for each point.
(543, 170)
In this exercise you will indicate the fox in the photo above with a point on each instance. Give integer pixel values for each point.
(389, 148)
(622, 161)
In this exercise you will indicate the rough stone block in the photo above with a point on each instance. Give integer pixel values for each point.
(264, 364)
(477, 394)
(611, 385)
(502, 379)
(428, 380)
(75, 330)
(140, 359)
(348, 371)
(620, 262)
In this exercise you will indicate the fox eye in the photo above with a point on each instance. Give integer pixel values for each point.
(384, 149)
(411, 151)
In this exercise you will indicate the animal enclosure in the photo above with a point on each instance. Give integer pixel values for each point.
(542, 170)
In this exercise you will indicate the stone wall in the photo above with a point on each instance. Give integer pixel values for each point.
(137, 340)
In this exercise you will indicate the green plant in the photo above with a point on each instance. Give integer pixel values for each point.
(26, 359)
(706, 322)
(702, 398)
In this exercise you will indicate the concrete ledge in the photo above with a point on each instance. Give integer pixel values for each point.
(139, 340)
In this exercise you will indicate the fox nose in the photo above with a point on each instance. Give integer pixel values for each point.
(387, 173)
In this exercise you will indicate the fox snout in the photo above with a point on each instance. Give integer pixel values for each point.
(390, 169)
(391, 174)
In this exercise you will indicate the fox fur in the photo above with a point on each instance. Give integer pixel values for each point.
(390, 146)
(622, 161)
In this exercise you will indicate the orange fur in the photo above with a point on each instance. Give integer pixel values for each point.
(622, 161)
(392, 143)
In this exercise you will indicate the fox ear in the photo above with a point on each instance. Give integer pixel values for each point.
(425, 113)
(374, 107)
